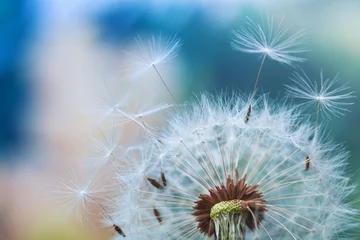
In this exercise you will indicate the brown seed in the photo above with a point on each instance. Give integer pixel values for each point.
(247, 117)
(307, 163)
(155, 183)
(118, 230)
(157, 215)
(163, 179)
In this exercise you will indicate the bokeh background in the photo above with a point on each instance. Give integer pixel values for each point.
(56, 55)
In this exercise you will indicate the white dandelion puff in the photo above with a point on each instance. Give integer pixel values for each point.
(126, 116)
(157, 50)
(109, 106)
(225, 179)
(127, 109)
(103, 150)
(270, 40)
(76, 194)
(327, 95)
(135, 163)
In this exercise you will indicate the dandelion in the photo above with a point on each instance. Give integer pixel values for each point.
(325, 96)
(229, 180)
(208, 174)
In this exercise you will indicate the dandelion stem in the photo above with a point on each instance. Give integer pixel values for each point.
(134, 119)
(317, 118)
(248, 113)
(116, 227)
(164, 83)
(101, 206)
(257, 78)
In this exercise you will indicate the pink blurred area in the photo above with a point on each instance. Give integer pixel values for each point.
(71, 74)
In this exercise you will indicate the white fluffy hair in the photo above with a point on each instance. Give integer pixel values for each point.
(207, 141)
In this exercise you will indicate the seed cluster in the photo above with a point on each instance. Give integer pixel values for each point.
(226, 207)
(230, 199)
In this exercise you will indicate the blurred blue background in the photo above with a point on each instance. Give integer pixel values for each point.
(50, 48)
(17, 26)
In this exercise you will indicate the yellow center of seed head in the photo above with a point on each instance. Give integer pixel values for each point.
(226, 208)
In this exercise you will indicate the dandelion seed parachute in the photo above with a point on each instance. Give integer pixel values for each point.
(103, 151)
(331, 99)
(128, 109)
(158, 50)
(153, 52)
(75, 194)
(270, 40)
(207, 149)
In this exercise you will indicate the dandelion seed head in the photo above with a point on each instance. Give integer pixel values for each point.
(258, 182)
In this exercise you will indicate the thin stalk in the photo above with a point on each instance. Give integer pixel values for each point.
(116, 227)
(164, 83)
(317, 118)
(229, 226)
(248, 113)
(257, 77)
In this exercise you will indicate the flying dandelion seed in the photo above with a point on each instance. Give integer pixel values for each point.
(269, 40)
(76, 195)
(103, 150)
(211, 174)
(325, 95)
(127, 109)
(158, 50)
